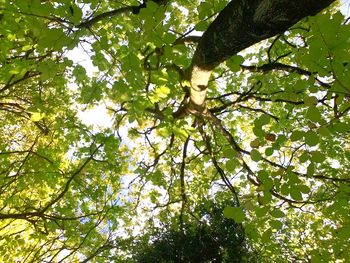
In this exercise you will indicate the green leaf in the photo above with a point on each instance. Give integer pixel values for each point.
(229, 153)
(255, 143)
(311, 138)
(235, 213)
(255, 155)
(265, 198)
(234, 63)
(296, 136)
(181, 132)
(150, 9)
(304, 157)
(310, 101)
(280, 139)
(324, 131)
(231, 165)
(304, 189)
(27, 47)
(296, 194)
(54, 38)
(277, 213)
(269, 151)
(262, 120)
(263, 175)
(201, 26)
(156, 178)
(261, 211)
(313, 114)
(310, 169)
(266, 236)
(75, 12)
(169, 38)
(285, 189)
(276, 224)
(341, 127)
(268, 184)
(344, 233)
(204, 9)
(258, 131)
(317, 157)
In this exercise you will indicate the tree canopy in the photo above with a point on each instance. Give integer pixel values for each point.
(214, 239)
(209, 101)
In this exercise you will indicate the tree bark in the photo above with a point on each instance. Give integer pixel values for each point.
(239, 25)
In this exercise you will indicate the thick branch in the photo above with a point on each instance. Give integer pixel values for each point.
(239, 25)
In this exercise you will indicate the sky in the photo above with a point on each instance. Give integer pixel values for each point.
(345, 7)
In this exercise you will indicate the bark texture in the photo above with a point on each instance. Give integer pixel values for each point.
(239, 25)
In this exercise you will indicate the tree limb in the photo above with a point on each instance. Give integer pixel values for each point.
(239, 25)
(109, 14)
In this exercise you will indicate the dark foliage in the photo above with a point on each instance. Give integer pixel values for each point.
(210, 238)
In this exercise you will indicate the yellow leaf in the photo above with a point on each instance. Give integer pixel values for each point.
(37, 116)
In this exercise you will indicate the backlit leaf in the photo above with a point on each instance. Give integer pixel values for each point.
(235, 213)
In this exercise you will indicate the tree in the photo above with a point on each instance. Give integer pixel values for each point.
(209, 238)
(246, 100)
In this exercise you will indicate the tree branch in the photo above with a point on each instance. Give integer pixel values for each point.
(218, 168)
(239, 25)
(284, 67)
(182, 179)
(116, 12)
(109, 14)
(40, 213)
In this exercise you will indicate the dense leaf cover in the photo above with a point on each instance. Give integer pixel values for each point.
(212, 239)
(272, 136)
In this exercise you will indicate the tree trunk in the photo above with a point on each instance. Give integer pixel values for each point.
(239, 25)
